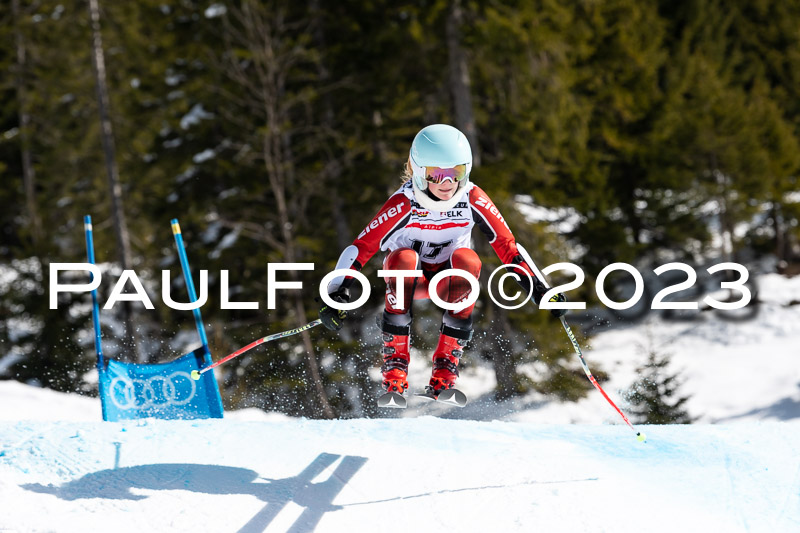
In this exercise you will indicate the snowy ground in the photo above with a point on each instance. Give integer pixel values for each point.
(527, 465)
(396, 474)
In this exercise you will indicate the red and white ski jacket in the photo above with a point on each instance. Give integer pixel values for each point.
(403, 223)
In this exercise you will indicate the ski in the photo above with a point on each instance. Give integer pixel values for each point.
(449, 396)
(453, 397)
(392, 400)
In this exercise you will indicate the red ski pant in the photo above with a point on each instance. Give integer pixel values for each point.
(451, 289)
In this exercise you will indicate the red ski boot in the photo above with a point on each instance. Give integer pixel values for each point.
(445, 358)
(395, 357)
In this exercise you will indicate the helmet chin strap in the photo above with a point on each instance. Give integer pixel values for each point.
(440, 205)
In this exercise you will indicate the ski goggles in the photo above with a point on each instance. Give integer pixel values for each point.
(438, 175)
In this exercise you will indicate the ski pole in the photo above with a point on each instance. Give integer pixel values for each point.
(197, 373)
(639, 435)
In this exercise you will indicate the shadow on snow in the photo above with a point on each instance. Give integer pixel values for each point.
(316, 498)
(783, 410)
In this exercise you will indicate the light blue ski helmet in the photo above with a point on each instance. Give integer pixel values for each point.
(439, 145)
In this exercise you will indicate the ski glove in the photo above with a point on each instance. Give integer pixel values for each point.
(559, 297)
(331, 318)
(538, 292)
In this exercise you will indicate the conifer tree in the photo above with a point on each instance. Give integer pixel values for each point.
(655, 397)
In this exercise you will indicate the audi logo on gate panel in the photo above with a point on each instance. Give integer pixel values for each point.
(156, 391)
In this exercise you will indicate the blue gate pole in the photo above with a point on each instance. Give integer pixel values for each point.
(87, 226)
(212, 392)
(187, 276)
(98, 343)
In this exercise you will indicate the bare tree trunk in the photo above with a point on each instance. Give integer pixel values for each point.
(777, 226)
(107, 136)
(332, 173)
(28, 172)
(502, 354)
(499, 345)
(343, 236)
(276, 176)
(458, 70)
(263, 32)
(725, 222)
(333, 169)
(279, 165)
(299, 307)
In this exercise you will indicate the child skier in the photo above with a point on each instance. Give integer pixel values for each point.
(426, 225)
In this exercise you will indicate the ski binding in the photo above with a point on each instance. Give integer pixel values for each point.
(448, 396)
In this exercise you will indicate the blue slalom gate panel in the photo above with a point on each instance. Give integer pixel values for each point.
(167, 390)
(131, 391)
